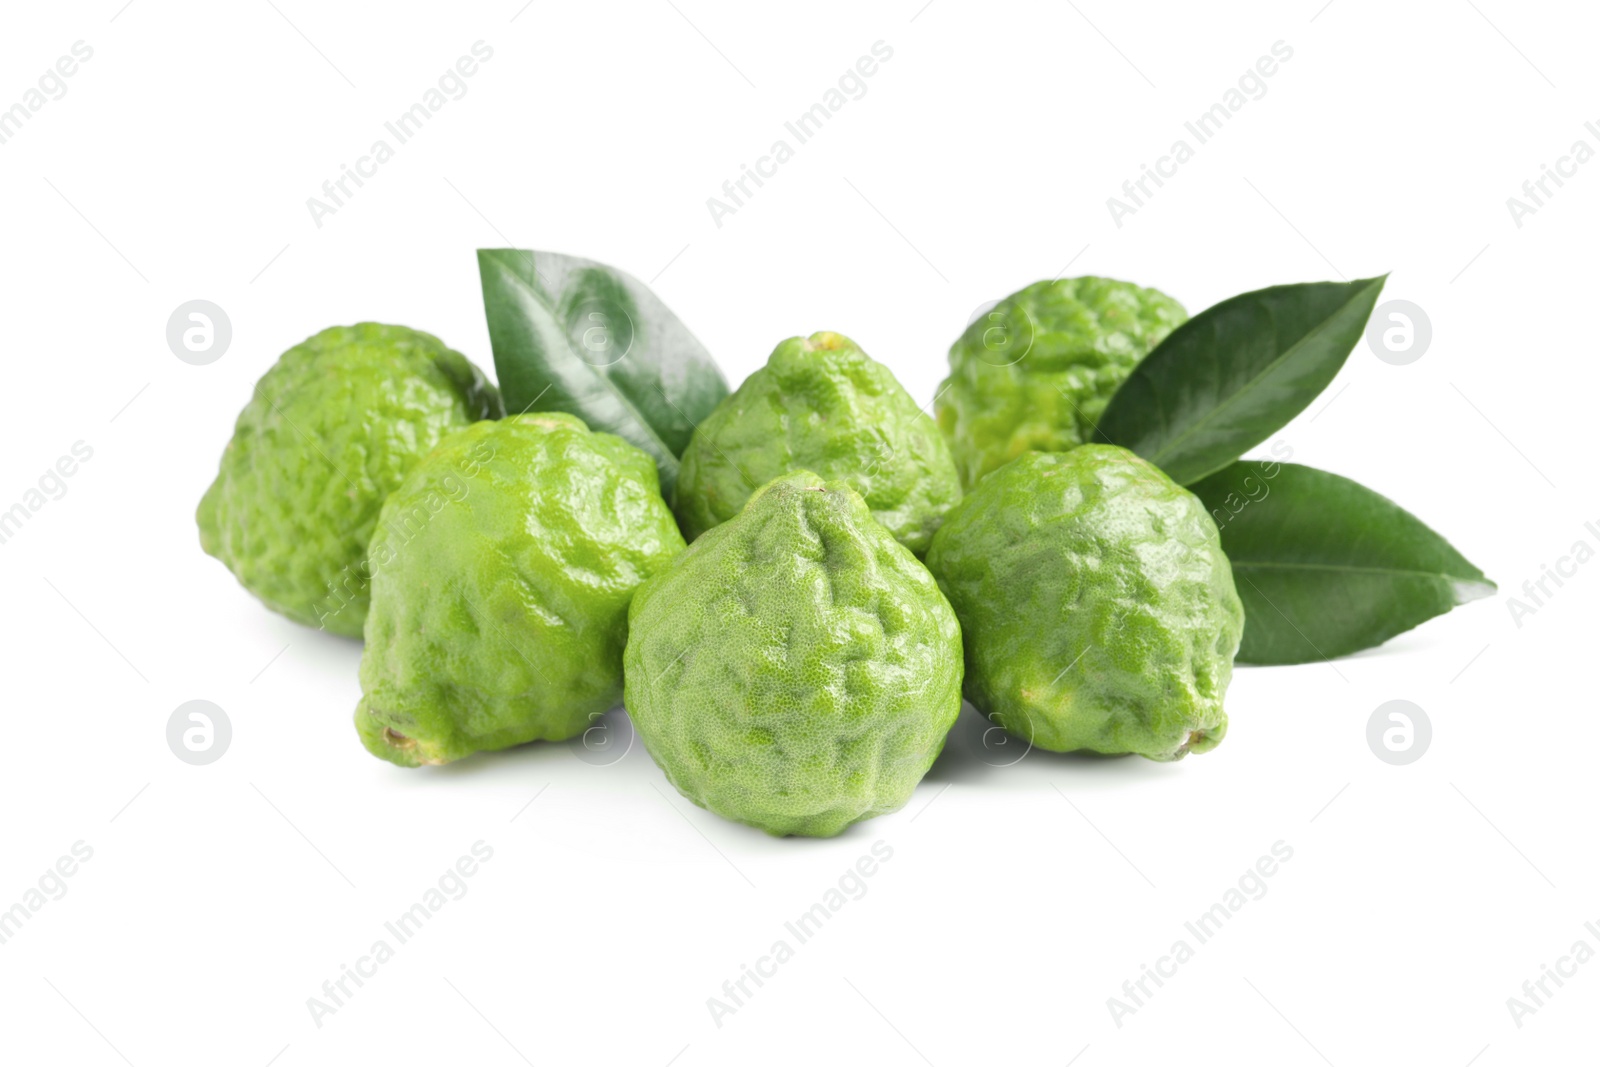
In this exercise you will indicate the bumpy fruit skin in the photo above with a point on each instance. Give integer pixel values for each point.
(502, 571)
(796, 669)
(1036, 371)
(823, 405)
(329, 432)
(1098, 609)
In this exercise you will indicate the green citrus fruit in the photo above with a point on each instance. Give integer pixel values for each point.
(1097, 607)
(796, 669)
(328, 434)
(1036, 371)
(821, 404)
(502, 571)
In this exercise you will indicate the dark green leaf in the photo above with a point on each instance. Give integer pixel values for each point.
(1230, 377)
(1325, 566)
(573, 335)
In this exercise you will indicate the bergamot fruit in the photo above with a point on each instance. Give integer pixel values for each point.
(796, 669)
(502, 571)
(1098, 610)
(821, 404)
(329, 432)
(1037, 370)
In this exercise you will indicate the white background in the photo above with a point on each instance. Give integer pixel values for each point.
(1018, 899)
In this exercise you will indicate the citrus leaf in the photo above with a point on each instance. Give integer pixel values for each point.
(1325, 566)
(1230, 377)
(574, 335)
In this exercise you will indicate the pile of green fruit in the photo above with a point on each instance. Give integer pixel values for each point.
(1072, 542)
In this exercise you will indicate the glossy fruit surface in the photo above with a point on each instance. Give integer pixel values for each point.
(502, 571)
(328, 434)
(796, 669)
(1036, 370)
(1097, 607)
(821, 404)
